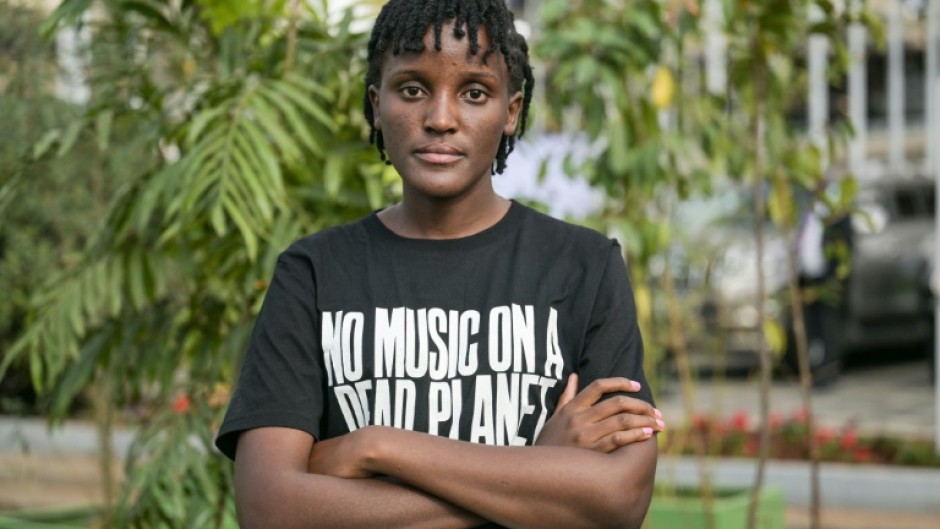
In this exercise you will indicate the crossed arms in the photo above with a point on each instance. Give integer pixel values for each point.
(592, 466)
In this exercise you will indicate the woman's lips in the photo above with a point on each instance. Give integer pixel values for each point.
(438, 158)
(439, 154)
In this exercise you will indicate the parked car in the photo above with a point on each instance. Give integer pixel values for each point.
(889, 300)
(714, 260)
(883, 300)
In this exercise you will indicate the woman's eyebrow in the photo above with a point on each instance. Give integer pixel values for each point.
(405, 74)
(406, 71)
(480, 74)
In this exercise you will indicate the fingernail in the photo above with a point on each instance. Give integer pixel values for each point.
(659, 414)
(647, 432)
(636, 385)
(660, 424)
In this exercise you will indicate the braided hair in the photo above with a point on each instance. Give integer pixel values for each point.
(402, 25)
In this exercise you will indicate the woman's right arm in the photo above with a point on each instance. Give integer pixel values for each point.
(274, 489)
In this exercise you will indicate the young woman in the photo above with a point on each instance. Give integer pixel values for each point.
(457, 359)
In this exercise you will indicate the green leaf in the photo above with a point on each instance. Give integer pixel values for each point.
(244, 226)
(372, 176)
(780, 202)
(293, 118)
(152, 14)
(304, 101)
(245, 183)
(848, 190)
(78, 374)
(201, 121)
(103, 123)
(115, 275)
(266, 158)
(134, 264)
(269, 122)
(775, 336)
(45, 143)
(217, 219)
(74, 308)
(618, 150)
(69, 138)
(333, 175)
(68, 13)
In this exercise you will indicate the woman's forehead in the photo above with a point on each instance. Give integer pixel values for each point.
(449, 45)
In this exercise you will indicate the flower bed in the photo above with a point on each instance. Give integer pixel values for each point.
(737, 436)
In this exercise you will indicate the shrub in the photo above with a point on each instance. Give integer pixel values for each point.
(735, 436)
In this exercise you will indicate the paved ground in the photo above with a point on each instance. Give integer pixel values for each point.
(872, 395)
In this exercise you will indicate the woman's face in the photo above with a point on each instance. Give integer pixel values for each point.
(442, 115)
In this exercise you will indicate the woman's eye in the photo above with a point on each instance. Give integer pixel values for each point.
(476, 94)
(411, 91)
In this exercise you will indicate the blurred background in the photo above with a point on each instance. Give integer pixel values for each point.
(769, 168)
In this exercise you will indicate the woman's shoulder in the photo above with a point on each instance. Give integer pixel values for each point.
(565, 235)
(332, 240)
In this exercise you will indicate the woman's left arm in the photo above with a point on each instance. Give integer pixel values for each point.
(531, 486)
(593, 465)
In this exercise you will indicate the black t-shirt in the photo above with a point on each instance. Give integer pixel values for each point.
(469, 338)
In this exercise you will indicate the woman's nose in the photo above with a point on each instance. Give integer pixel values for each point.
(441, 114)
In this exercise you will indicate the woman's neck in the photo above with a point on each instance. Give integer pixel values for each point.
(444, 219)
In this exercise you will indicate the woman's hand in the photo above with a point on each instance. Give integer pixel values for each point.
(584, 420)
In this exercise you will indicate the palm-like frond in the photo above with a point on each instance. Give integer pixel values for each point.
(233, 154)
(244, 158)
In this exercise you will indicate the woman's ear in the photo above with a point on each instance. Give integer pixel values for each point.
(374, 100)
(512, 118)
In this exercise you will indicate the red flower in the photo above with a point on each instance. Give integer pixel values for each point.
(718, 429)
(849, 440)
(181, 404)
(750, 447)
(862, 454)
(801, 416)
(739, 422)
(699, 421)
(824, 435)
(776, 420)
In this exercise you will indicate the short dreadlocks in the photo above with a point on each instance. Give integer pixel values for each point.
(402, 24)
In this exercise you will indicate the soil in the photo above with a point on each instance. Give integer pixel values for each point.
(859, 519)
(39, 481)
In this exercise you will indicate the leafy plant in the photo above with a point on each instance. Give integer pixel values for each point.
(617, 67)
(615, 72)
(766, 73)
(49, 207)
(245, 151)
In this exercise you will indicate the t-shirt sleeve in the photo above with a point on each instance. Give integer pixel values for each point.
(281, 382)
(613, 345)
